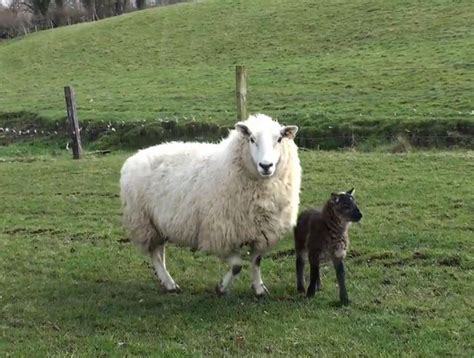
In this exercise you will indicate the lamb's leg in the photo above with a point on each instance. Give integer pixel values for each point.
(315, 276)
(300, 263)
(158, 260)
(257, 284)
(235, 267)
(339, 266)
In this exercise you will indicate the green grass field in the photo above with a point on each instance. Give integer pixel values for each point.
(360, 63)
(70, 286)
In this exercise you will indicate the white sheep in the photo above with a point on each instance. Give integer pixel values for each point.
(218, 198)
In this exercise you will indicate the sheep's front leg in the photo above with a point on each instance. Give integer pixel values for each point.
(340, 274)
(235, 267)
(257, 284)
(158, 260)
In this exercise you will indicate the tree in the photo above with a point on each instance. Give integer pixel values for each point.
(90, 6)
(39, 7)
(141, 4)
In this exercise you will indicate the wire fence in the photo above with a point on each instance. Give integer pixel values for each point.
(132, 137)
(327, 118)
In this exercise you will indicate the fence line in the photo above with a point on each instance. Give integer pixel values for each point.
(37, 131)
(241, 103)
(330, 69)
(91, 93)
(153, 116)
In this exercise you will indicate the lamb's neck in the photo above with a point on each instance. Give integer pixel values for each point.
(336, 226)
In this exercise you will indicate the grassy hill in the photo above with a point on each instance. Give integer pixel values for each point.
(348, 63)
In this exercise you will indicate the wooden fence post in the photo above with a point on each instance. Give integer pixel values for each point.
(73, 122)
(241, 92)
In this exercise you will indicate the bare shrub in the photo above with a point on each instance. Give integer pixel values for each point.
(13, 23)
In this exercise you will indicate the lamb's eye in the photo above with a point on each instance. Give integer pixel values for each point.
(252, 140)
(279, 139)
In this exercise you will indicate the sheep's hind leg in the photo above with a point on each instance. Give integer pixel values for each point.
(236, 266)
(158, 259)
(257, 284)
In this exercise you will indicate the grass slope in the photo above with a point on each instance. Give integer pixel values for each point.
(70, 286)
(340, 62)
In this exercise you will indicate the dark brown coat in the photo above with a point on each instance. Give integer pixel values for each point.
(323, 234)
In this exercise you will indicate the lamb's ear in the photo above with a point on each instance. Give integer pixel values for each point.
(289, 132)
(243, 129)
(335, 197)
(351, 192)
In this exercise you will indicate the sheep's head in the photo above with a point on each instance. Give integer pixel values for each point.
(265, 139)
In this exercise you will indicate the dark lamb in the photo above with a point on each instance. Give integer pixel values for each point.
(323, 234)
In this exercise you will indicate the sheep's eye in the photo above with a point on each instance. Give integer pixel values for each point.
(279, 139)
(252, 140)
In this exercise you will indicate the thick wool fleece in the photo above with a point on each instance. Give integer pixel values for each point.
(210, 196)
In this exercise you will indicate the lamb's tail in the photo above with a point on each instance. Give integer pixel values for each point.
(301, 230)
(300, 233)
(300, 249)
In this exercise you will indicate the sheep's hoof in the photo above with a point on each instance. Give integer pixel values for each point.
(220, 290)
(261, 290)
(301, 290)
(175, 289)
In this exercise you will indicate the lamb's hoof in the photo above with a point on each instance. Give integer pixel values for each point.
(345, 301)
(310, 293)
(261, 290)
(220, 290)
(301, 290)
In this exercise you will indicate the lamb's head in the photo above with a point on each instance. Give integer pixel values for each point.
(265, 139)
(345, 206)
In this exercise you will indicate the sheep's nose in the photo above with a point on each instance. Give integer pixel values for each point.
(265, 166)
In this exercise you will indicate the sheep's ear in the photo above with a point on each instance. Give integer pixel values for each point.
(243, 129)
(289, 132)
(351, 192)
(335, 197)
